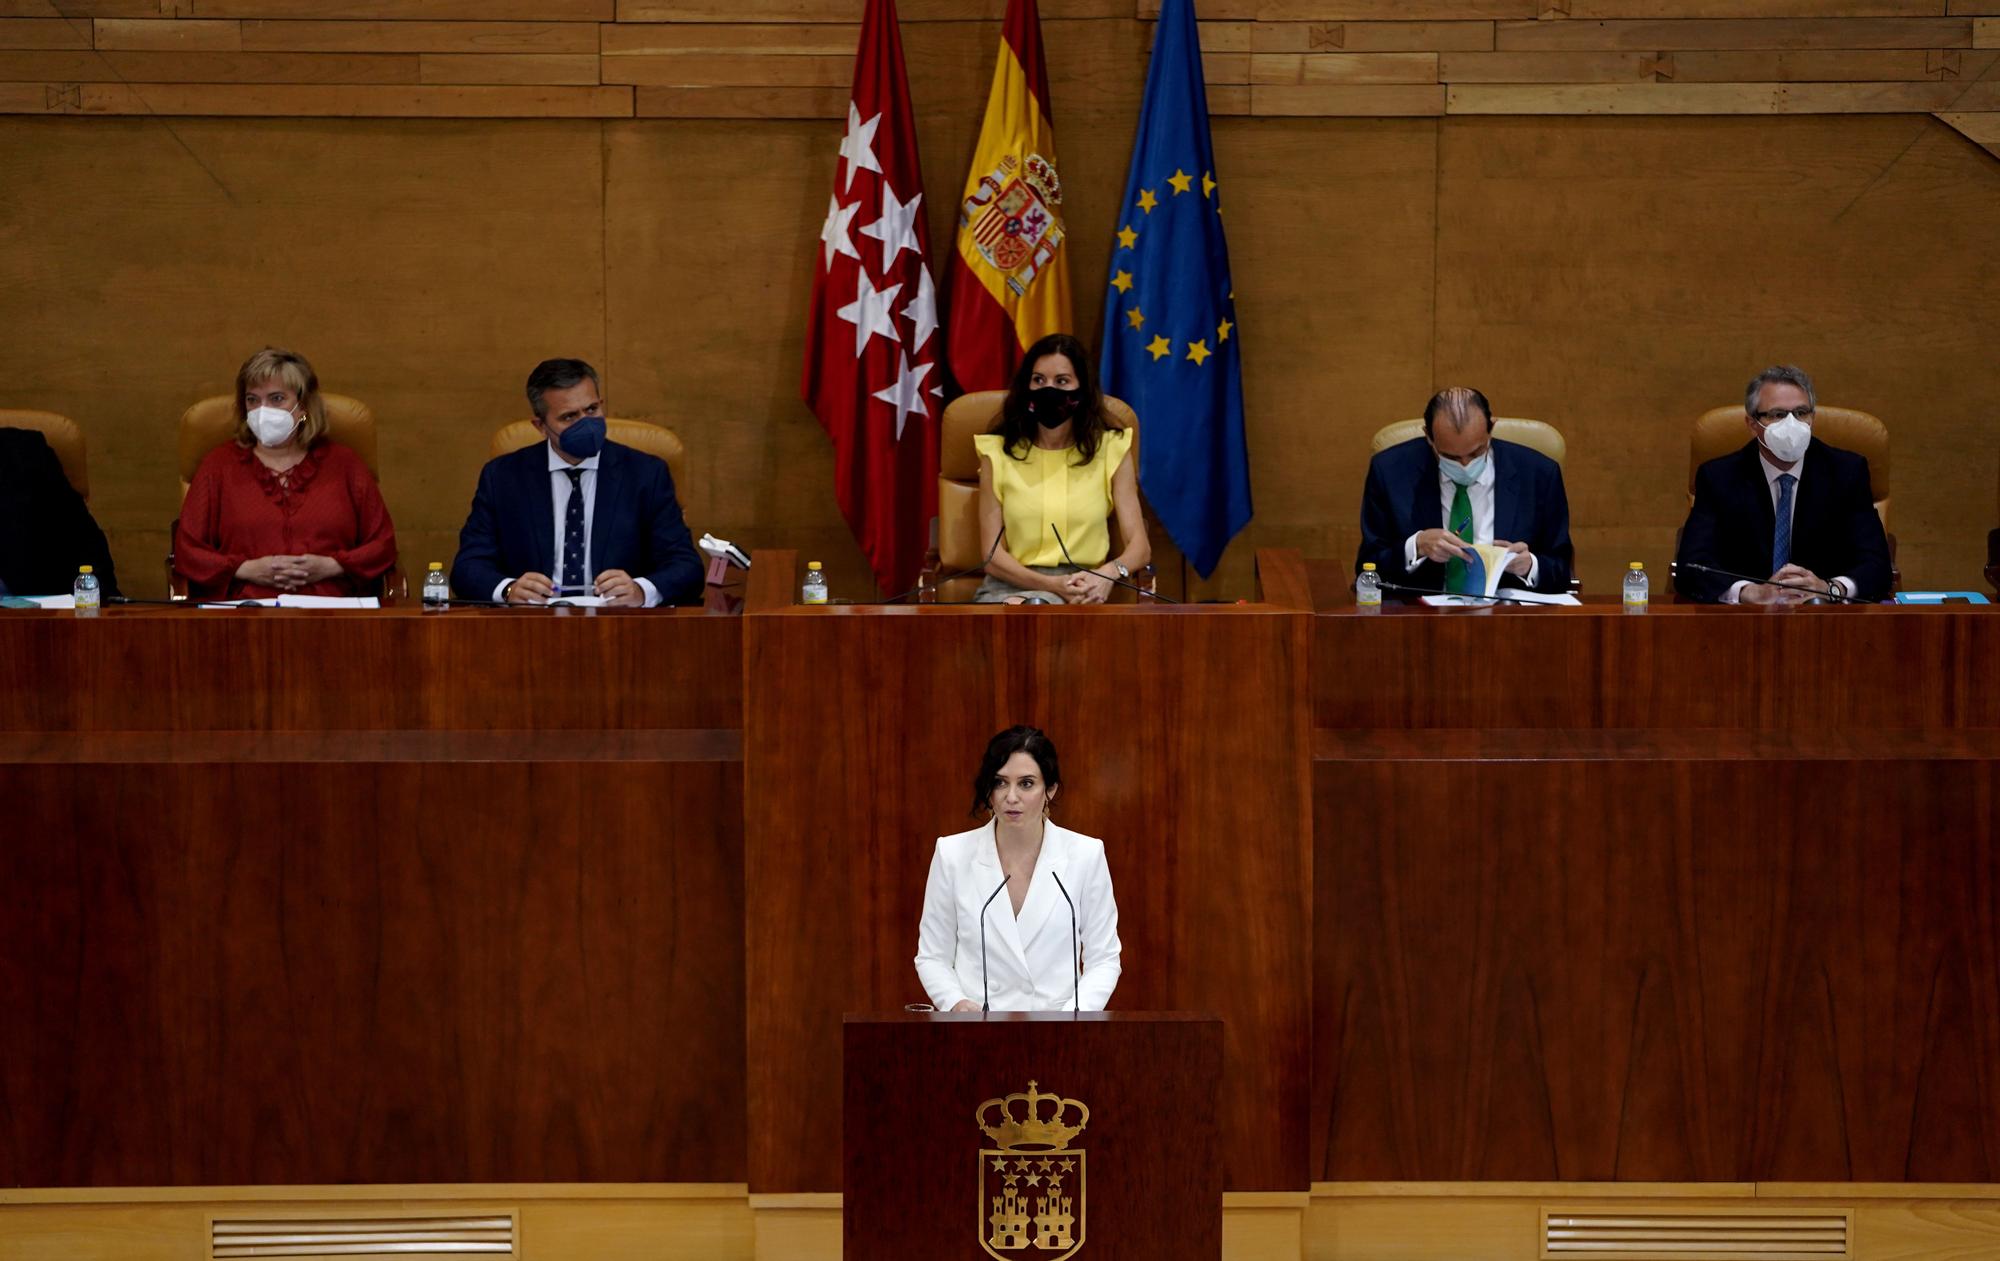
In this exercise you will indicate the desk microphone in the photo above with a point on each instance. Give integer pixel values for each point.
(956, 573)
(164, 604)
(1075, 966)
(1116, 582)
(1829, 593)
(1463, 595)
(986, 990)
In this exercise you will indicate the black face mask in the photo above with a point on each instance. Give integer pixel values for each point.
(1052, 407)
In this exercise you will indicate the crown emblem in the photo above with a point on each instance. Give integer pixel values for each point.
(1039, 174)
(1032, 1121)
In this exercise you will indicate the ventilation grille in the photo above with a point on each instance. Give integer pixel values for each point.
(409, 1237)
(1717, 1236)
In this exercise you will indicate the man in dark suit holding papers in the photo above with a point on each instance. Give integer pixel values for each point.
(1429, 499)
(1787, 505)
(576, 514)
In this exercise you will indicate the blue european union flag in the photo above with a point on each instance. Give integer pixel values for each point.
(1170, 344)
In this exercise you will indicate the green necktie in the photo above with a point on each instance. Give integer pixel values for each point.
(1461, 525)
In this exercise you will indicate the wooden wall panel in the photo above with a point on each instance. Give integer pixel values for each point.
(1648, 969)
(329, 972)
(1336, 88)
(911, 697)
(1651, 268)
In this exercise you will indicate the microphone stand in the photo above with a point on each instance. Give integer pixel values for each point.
(1829, 593)
(1116, 582)
(985, 989)
(1075, 964)
(956, 573)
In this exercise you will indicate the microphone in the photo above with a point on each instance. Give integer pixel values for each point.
(986, 990)
(1497, 595)
(1828, 594)
(1075, 966)
(1116, 582)
(957, 573)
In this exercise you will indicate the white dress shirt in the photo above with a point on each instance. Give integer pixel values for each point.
(1771, 474)
(559, 491)
(1030, 962)
(1480, 494)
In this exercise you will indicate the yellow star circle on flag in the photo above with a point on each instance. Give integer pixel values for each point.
(1222, 332)
(1180, 180)
(1127, 238)
(1137, 317)
(1160, 348)
(1147, 201)
(1199, 352)
(1122, 282)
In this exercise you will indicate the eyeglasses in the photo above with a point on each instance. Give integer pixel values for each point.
(1772, 417)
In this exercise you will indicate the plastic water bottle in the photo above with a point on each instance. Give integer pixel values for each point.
(436, 590)
(85, 589)
(1637, 589)
(1368, 588)
(814, 592)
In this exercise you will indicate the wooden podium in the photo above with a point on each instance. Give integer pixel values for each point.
(1032, 1135)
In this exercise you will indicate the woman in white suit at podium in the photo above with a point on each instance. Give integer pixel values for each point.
(1018, 876)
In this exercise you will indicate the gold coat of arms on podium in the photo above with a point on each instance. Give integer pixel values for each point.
(1031, 1178)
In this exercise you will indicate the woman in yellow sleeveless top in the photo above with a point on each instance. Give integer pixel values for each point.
(1053, 466)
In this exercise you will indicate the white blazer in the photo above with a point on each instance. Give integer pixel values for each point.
(1030, 961)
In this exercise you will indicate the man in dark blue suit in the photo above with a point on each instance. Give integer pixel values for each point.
(1787, 505)
(576, 514)
(1430, 497)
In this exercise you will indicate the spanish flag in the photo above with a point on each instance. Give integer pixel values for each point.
(1010, 281)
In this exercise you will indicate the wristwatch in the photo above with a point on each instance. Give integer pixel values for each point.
(1124, 574)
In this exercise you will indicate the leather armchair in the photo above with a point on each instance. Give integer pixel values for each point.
(65, 438)
(212, 421)
(958, 544)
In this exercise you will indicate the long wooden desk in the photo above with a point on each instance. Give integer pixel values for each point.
(329, 897)
(1697, 894)
(1543, 894)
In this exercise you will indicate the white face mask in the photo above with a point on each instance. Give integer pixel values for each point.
(1787, 439)
(1464, 474)
(272, 426)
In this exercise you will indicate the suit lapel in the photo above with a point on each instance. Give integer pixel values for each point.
(608, 480)
(543, 502)
(1426, 507)
(1812, 493)
(1002, 932)
(1044, 901)
(1508, 502)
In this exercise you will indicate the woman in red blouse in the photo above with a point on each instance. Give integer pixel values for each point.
(282, 508)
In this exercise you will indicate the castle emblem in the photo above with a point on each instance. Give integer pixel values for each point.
(1031, 1178)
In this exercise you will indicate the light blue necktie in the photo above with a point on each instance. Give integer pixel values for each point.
(1781, 538)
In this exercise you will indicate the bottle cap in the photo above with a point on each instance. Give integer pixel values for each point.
(1638, 564)
(813, 565)
(86, 570)
(1368, 567)
(436, 565)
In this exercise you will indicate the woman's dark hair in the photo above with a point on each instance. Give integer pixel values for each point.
(1017, 426)
(1028, 740)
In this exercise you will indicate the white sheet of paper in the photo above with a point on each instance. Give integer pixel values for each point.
(53, 601)
(579, 601)
(289, 601)
(1513, 597)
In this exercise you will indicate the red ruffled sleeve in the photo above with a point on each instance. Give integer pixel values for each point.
(198, 554)
(374, 554)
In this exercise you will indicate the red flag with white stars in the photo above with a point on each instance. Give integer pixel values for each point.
(871, 370)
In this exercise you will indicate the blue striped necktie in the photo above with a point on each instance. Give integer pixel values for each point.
(1781, 537)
